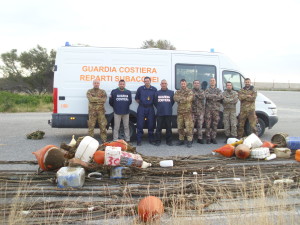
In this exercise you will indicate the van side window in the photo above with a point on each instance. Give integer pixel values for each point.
(191, 72)
(234, 77)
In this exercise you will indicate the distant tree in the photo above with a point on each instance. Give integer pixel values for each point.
(31, 72)
(162, 44)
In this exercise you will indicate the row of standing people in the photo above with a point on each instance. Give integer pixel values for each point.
(194, 107)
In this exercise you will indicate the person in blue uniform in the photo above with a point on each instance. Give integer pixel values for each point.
(164, 102)
(120, 99)
(145, 112)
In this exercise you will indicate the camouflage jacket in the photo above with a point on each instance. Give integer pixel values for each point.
(213, 98)
(97, 98)
(247, 97)
(198, 101)
(230, 98)
(184, 99)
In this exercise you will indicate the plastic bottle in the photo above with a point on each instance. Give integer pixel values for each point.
(272, 156)
(166, 163)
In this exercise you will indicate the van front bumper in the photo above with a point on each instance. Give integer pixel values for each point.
(272, 121)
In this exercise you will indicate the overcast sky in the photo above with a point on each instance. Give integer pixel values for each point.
(261, 36)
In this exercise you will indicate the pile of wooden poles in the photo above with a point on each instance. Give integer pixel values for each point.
(193, 183)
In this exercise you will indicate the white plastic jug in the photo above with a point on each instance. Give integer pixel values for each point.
(112, 156)
(86, 149)
(252, 141)
(70, 177)
(232, 140)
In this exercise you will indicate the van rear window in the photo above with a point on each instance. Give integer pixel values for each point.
(191, 72)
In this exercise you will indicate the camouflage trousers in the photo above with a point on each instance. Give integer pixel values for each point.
(185, 120)
(102, 122)
(212, 118)
(198, 119)
(230, 122)
(251, 116)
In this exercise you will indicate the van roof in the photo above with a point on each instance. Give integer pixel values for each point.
(138, 49)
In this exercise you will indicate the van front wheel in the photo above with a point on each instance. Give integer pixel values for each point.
(260, 126)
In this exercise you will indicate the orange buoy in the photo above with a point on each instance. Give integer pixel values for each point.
(226, 150)
(150, 208)
(99, 157)
(297, 156)
(39, 154)
(118, 143)
(242, 151)
(268, 144)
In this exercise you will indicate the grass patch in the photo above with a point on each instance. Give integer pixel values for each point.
(15, 102)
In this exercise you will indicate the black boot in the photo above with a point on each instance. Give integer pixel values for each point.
(157, 143)
(226, 138)
(189, 144)
(180, 143)
(214, 141)
(208, 141)
(200, 141)
(169, 143)
(152, 142)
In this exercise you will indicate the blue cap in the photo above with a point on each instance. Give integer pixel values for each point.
(212, 50)
(67, 43)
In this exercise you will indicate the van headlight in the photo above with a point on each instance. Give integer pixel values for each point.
(274, 111)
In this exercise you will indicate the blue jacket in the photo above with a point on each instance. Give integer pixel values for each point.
(164, 102)
(145, 96)
(120, 101)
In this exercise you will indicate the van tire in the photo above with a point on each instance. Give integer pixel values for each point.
(261, 127)
(132, 131)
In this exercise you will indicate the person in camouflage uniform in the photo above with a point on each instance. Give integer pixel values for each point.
(97, 98)
(213, 97)
(198, 109)
(230, 98)
(247, 96)
(184, 98)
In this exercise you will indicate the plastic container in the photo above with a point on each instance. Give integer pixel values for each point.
(40, 156)
(146, 165)
(232, 140)
(272, 156)
(293, 143)
(282, 152)
(252, 141)
(120, 172)
(166, 163)
(70, 177)
(112, 156)
(54, 158)
(86, 149)
(279, 139)
(260, 153)
(129, 159)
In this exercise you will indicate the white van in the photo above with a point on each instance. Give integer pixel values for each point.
(76, 68)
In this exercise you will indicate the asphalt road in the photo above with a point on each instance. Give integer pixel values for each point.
(15, 146)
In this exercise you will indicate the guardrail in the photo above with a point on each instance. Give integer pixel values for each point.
(277, 86)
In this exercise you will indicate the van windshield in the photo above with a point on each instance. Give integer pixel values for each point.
(234, 77)
(191, 72)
